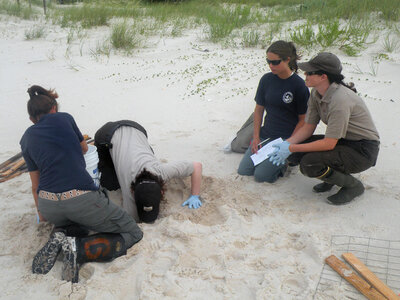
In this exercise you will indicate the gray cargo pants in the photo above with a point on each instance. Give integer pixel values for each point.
(94, 211)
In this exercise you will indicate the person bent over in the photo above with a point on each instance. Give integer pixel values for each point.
(128, 162)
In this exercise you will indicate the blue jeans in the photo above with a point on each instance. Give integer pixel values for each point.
(263, 172)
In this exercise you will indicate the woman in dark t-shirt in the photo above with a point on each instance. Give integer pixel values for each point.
(283, 96)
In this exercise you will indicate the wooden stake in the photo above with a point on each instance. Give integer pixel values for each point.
(369, 276)
(350, 276)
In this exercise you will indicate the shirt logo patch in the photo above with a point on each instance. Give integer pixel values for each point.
(287, 97)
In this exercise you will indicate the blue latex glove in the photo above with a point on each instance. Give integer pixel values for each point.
(193, 202)
(278, 157)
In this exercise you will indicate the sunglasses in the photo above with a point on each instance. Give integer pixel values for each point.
(313, 73)
(274, 62)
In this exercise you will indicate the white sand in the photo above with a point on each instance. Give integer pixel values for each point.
(249, 240)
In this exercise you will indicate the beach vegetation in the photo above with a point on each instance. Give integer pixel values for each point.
(390, 43)
(13, 9)
(35, 32)
(311, 24)
(125, 37)
(251, 38)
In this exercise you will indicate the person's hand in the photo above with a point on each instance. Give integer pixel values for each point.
(278, 157)
(193, 202)
(255, 145)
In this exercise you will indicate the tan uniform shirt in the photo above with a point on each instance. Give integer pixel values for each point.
(131, 153)
(344, 113)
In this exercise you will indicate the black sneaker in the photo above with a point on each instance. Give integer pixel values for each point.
(70, 270)
(45, 259)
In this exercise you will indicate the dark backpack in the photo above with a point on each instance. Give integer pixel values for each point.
(243, 137)
(102, 140)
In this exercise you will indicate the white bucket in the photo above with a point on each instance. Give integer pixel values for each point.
(91, 160)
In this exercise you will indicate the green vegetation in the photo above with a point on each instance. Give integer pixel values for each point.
(35, 32)
(13, 9)
(344, 24)
(124, 37)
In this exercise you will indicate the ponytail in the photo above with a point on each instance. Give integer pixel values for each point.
(338, 78)
(40, 102)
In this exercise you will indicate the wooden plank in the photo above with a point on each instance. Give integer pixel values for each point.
(15, 167)
(11, 176)
(370, 277)
(350, 276)
(10, 160)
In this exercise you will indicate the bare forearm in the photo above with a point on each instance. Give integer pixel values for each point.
(303, 133)
(35, 196)
(196, 178)
(316, 146)
(258, 114)
(299, 124)
(84, 146)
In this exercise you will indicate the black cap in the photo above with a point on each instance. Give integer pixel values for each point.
(147, 198)
(324, 61)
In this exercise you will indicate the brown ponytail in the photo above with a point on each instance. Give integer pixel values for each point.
(41, 102)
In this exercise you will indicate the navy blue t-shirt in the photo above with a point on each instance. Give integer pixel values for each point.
(52, 146)
(284, 100)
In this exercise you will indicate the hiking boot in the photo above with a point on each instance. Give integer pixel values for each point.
(70, 270)
(45, 259)
(322, 187)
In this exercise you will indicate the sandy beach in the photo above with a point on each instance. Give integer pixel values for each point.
(249, 240)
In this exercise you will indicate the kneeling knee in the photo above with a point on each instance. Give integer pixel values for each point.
(263, 178)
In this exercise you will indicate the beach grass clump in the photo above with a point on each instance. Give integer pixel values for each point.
(87, 16)
(35, 32)
(222, 22)
(303, 35)
(125, 37)
(251, 38)
(102, 48)
(351, 36)
(390, 43)
(13, 9)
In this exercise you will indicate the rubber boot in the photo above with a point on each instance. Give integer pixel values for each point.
(322, 187)
(351, 187)
(45, 259)
(98, 247)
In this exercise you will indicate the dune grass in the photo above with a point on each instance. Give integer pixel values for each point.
(35, 32)
(125, 37)
(344, 24)
(13, 9)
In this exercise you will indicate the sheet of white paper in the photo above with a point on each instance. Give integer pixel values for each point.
(264, 152)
